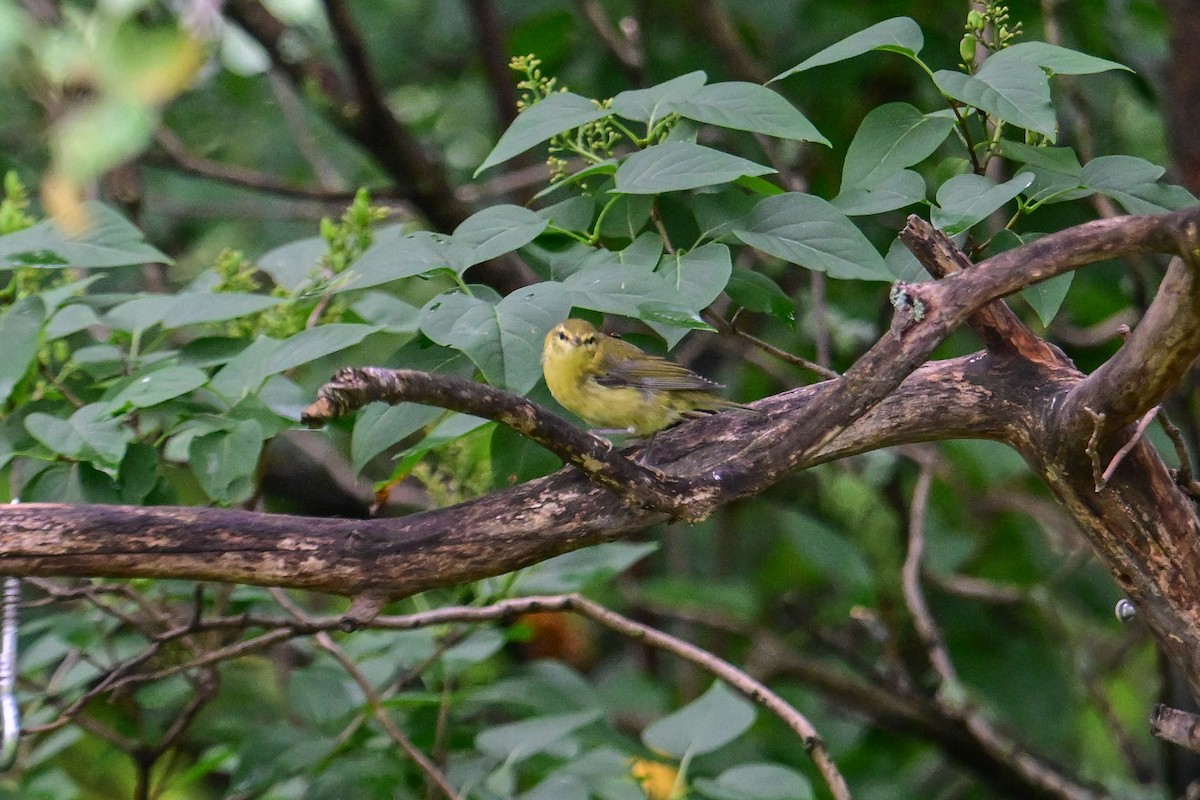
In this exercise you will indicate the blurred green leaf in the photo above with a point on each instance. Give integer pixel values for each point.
(898, 190)
(20, 325)
(757, 782)
(110, 241)
(708, 723)
(91, 433)
(579, 569)
(377, 427)
(1046, 297)
(158, 386)
(1133, 182)
(754, 291)
(225, 461)
(517, 741)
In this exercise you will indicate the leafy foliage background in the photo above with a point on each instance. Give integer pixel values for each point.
(181, 382)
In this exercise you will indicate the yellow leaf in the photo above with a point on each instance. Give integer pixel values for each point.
(659, 781)
(63, 201)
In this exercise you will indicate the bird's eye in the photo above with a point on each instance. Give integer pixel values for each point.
(562, 336)
(589, 341)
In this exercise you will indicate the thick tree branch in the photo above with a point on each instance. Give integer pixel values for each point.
(996, 324)
(1141, 525)
(1154, 357)
(353, 388)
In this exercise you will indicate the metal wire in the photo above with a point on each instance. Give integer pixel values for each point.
(10, 718)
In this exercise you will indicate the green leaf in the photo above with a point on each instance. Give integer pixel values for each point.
(757, 782)
(575, 214)
(696, 277)
(110, 241)
(19, 329)
(516, 741)
(158, 386)
(560, 112)
(652, 104)
(186, 308)
(1016, 92)
(1133, 182)
(290, 265)
(1046, 297)
(899, 34)
(1058, 60)
(493, 232)
(377, 427)
(808, 231)
(900, 189)
(225, 461)
(69, 319)
(1056, 159)
(627, 217)
(90, 434)
(396, 255)
(748, 107)
(903, 264)
(579, 569)
(834, 556)
(387, 312)
(718, 214)
(606, 167)
(503, 339)
(965, 200)
(754, 291)
(674, 166)
(891, 138)
(708, 723)
(266, 356)
(558, 787)
(319, 694)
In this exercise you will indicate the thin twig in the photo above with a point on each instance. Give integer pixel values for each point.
(733, 328)
(1144, 423)
(623, 43)
(949, 688)
(718, 667)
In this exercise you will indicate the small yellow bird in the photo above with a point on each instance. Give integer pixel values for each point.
(616, 386)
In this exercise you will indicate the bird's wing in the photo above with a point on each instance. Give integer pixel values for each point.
(651, 372)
